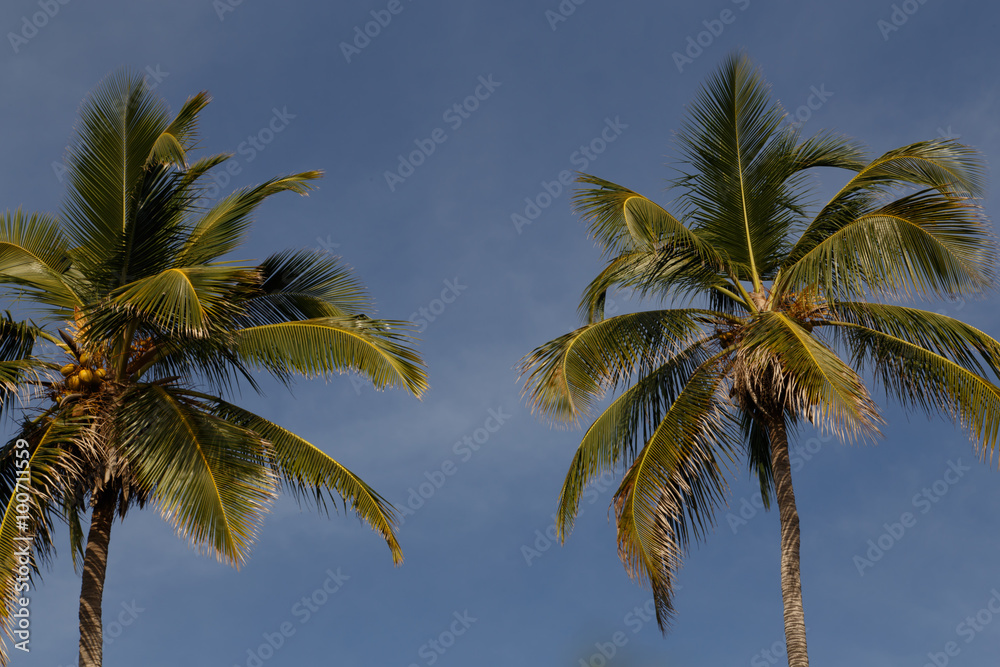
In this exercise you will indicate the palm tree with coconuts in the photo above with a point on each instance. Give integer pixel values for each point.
(143, 327)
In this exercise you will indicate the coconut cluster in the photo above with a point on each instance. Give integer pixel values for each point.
(82, 376)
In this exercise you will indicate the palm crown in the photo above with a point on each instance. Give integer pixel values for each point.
(791, 308)
(142, 325)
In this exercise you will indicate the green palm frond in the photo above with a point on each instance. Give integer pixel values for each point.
(210, 478)
(658, 272)
(308, 472)
(120, 122)
(669, 495)
(624, 222)
(223, 227)
(920, 378)
(781, 358)
(924, 244)
(951, 338)
(614, 437)
(826, 149)
(943, 165)
(301, 285)
(566, 375)
(31, 480)
(377, 349)
(189, 300)
(180, 136)
(34, 259)
(741, 160)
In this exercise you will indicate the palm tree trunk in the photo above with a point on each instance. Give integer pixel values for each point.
(95, 563)
(791, 583)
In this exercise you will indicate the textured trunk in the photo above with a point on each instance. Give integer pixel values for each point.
(791, 583)
(95, 563)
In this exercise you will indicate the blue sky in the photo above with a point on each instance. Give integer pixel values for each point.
(888, 74)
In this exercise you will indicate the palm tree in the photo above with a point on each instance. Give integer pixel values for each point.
(789, 311)
(142, 327)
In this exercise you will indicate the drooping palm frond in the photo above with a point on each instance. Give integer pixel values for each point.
(669, 495)
(34, 260)
(377, 349)
(34, 467)
(210, 478)
(920, 378)
(946, 336)
(616, 436)
(308, 472)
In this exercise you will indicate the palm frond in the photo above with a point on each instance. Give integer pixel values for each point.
(308, 472)
(377, 349)
(211, 479)
(34, 259)
(741, 159)
(924, 244)
(943, 165)
(781, 360)
(669, 495)
(616, 435)
(224, 226)
(566, 375)
(300, 285)
(120, 123)
(180, 136)
(920, 378)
